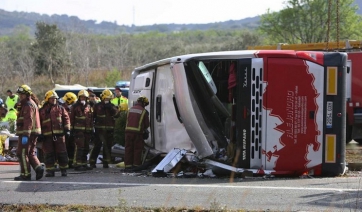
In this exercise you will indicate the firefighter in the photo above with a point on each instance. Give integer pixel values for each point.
(28, 129)
(81, 117)
(104, 113)
(137, 123)
(69, 99)
(55, 125)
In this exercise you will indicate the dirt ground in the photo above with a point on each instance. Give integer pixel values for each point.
(353, 153)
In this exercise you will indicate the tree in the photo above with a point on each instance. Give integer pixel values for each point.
(306, 21)
(49, 49)
(5, 62)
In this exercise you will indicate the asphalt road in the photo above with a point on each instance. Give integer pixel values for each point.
(110, 187)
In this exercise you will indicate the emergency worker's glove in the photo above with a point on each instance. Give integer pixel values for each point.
(24, 140)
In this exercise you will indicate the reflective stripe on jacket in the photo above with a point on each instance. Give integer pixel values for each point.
(137, 119)
(28, 121)
(54, 120)
(81, 117)
(103, 116)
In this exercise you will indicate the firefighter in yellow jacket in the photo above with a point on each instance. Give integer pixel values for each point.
(28, 129)
(81, 117)
(104, 113)
(55, 125)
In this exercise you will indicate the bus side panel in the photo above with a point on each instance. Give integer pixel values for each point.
(335, 118)
(293, 109)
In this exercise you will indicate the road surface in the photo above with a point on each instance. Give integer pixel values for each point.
(110, 187)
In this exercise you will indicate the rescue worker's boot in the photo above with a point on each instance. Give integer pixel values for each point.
(23, 178)
(50, 173)
(128, 169)
(39, 172)
(92, 165)
(63, 172)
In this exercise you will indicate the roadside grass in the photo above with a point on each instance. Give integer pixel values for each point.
(214, 207)
(123, 206)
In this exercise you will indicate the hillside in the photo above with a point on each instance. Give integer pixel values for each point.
(9, 20)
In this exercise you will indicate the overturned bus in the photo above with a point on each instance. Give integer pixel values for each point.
(266, 112)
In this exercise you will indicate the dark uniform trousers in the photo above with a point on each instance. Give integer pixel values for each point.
(82, 140)
(134, 148)
(27, 156)
(103, 138)
(54, 149)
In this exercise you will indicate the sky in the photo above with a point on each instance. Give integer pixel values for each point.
(148, 12)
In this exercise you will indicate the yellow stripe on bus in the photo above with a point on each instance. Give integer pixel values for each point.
(330, 148)
(332, 80)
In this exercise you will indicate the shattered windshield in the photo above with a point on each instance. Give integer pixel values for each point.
(204, 86)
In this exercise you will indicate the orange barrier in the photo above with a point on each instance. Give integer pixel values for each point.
(8, 163)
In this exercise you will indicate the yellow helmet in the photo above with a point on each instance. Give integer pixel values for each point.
(83, 93)
(144, 100)
(24, 89)
(70, 98)
(50, 94)
(123, 107)
(106, 94)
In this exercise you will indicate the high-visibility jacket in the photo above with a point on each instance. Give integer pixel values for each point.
(104, 116)
(10, 102)
(28, 121)
(81, 117)
(137, 119)
(54, 120)
(12, 114)
(117, 101)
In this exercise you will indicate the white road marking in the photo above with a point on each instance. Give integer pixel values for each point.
(186, 185)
